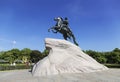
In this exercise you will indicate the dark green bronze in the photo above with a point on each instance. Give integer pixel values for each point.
(63, 28)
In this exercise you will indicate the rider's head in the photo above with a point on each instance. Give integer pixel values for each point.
(66, 18)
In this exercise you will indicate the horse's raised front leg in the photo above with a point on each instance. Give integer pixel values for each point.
(50, 29)
(54, 31)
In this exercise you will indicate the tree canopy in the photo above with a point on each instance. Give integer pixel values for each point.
(28, 55)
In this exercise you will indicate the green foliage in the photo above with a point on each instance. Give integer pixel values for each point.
(112, 65)
(1, 54)
(98, 56)
(112, 57)
(15, 54)
(8, 56)
(25, 54)
(9, 67)
(45, 52)
(116, 50)
(35, 56)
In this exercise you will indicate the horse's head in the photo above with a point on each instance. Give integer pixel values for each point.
(58, 19)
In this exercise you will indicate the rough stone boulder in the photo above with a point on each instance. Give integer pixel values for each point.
(65, 57)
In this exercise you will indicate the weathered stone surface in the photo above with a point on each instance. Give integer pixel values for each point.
(65, 57)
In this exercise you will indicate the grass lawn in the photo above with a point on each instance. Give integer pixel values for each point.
(4, 67)
(112, 65)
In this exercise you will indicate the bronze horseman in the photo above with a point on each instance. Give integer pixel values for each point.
(63, 28)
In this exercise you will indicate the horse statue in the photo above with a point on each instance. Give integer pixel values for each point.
(63, 29)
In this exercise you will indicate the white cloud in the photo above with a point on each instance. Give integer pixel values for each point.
(7, 41)
(14, 42)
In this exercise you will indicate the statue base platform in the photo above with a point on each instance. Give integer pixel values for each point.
(65, 57)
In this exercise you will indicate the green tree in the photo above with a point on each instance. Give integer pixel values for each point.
(8, 56)
(113, 57)
(91, 53)
(116, 50)
(15, 53)
(2, 55)
(98, 56)
(35, 56)
(45, 53)
(25, 54)
(12, 55)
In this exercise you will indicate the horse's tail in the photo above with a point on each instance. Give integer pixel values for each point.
(74, 40)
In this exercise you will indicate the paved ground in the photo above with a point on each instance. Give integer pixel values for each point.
(111, 75)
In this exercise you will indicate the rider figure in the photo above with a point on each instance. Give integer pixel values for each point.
(65, 21)
(65, 24)
(63, 28)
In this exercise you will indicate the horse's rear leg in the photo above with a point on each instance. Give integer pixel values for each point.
(74, 40)
(65, 37)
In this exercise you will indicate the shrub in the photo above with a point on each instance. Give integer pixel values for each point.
(4, 67)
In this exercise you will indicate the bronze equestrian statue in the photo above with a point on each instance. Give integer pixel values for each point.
(63, 28)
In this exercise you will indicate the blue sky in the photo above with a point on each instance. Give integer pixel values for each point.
(24, 23)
